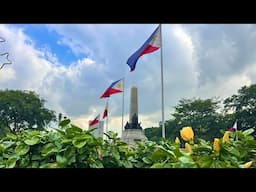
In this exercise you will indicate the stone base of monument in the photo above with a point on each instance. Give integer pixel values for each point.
(131, 136)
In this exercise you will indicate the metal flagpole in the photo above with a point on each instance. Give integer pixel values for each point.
(107, 116)
(162, 82)
(123, 108)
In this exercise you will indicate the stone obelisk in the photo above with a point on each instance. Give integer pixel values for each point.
(133, 131)
(133, 103)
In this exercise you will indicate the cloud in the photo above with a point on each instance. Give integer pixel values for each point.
(67, 89)
(222, 50)
(9, 74)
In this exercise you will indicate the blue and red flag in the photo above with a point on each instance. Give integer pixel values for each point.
(95, 121)
(116, 87)
(105, 113)
(151, 45)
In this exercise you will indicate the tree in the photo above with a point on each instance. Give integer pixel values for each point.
(23, 110)
(153, 134)
(243, 106)
(201, 115)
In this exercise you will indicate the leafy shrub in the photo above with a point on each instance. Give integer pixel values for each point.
(71, 147)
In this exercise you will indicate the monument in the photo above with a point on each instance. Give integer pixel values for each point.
(132, 131)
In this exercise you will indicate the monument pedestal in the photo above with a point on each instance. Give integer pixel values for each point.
(133, 131)
(131, 136)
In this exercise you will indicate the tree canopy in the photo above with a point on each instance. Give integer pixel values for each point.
(243, 106)
(23, 110)
(207, 118)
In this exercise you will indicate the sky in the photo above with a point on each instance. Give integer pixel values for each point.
(71, 65)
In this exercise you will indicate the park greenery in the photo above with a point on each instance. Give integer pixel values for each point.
(208, 118)
(196, 136)
(21, 110)
(71, 147)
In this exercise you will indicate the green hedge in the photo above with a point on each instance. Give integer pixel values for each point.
(71, 147)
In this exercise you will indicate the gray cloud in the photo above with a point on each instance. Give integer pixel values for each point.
(222, 50)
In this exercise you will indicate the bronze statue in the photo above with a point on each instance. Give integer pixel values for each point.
(134, 124)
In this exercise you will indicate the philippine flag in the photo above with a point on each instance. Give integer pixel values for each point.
(105, 113)
(116, 87)
(151, 45)
(234, 127)
(95, 121)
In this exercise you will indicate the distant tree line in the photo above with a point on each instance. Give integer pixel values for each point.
(208, 117)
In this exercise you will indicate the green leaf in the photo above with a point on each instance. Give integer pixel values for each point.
(36, 157)
(158, 155)
(168, 151)
(147, 160)
(61, 160)
(21, 149)
(158, 165)
(6, 144)
(32, 141)
(72, 131)
(2, 148)
(58, 144)
(24, 162)
(49, 149)
(70, 155)
(65, 141)
(184, 159)
(11, 136)
(81, 140)
(115, 154)
(35, 132)
(79, 143)
(234, 151)
(205, 162)
(49, 165)
(203, 149)
(60, 131)
(248, 131)
(127, 164)
(187, 162)
(2, 162)
(111, 134)
(64, 123)
(35, 164)
(10, 163)
(96, 164)
(217, 164)
(6, 155)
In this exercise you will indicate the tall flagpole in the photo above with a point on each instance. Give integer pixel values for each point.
(123, 108)
(162, 82)
(107, 115)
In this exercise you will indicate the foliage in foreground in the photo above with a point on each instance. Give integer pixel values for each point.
(71, 147)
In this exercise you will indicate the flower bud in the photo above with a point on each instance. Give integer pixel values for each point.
(187, 133)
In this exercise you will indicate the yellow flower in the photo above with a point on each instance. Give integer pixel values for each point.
(225, 138)
(248, 164)
(177, 140)
(216, 145)
(187, 133)
(188, 148)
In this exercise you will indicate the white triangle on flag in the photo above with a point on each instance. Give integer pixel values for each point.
(235, 125)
